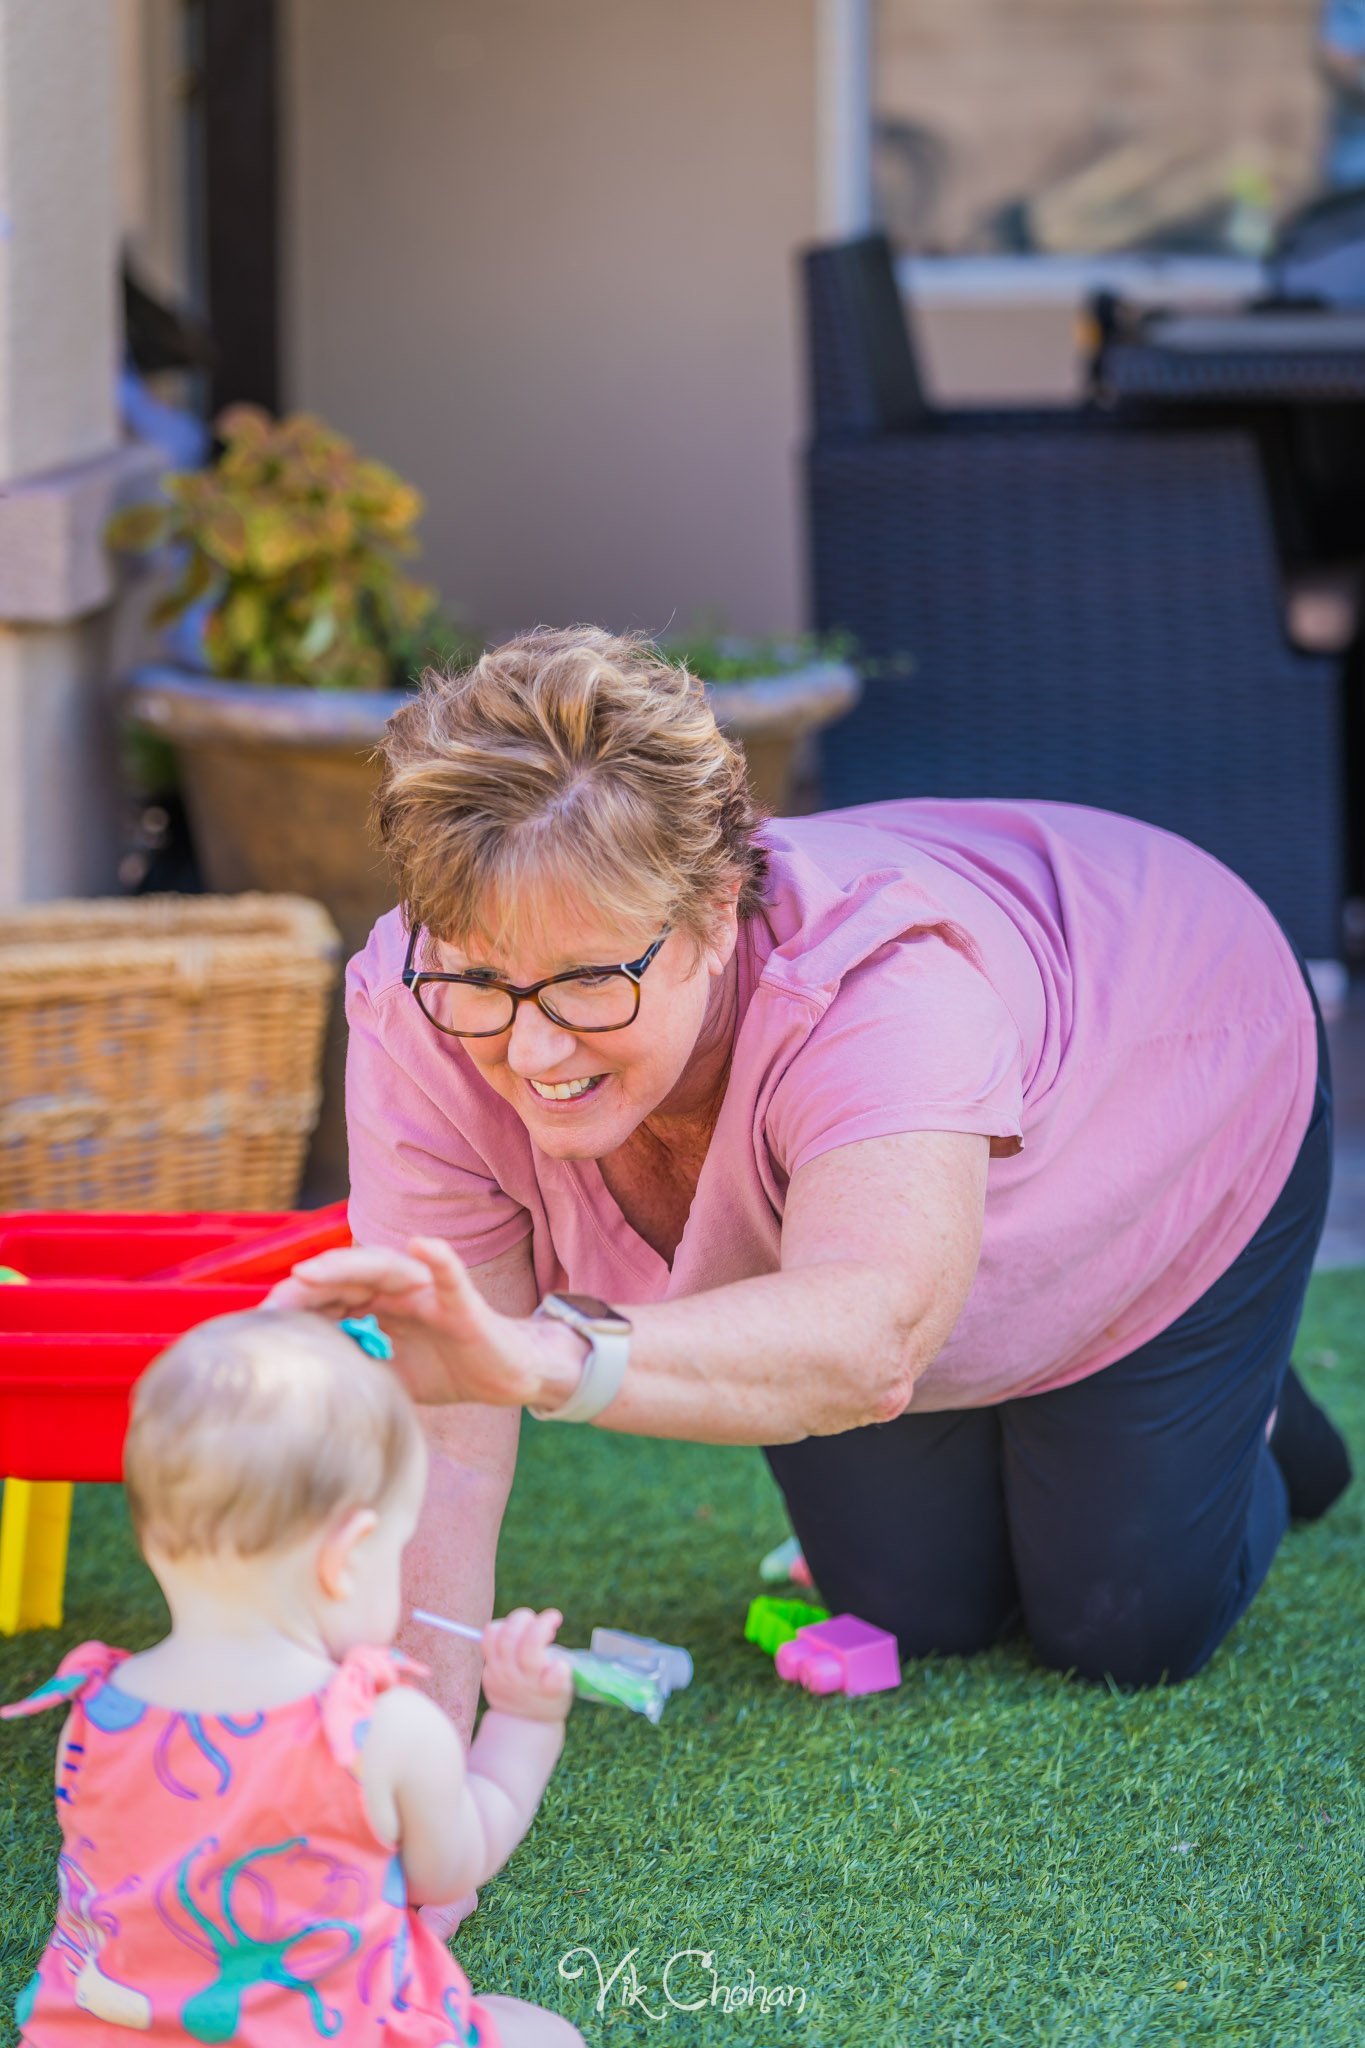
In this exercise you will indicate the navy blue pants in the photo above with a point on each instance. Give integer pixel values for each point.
(1126, 1521)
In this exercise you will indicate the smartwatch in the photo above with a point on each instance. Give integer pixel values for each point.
(604, 1368)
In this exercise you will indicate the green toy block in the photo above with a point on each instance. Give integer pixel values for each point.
(770, 1623)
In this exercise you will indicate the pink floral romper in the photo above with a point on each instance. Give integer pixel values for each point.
(219, 1879)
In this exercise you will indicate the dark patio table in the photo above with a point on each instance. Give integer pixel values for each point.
(1309, 357)
(1293, 376)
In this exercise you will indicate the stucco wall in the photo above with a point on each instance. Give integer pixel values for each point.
(58, 424)
(59, 833)
(152, 159)
(539, 256)
(58, 333)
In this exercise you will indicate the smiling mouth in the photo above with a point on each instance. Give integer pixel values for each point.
(566, 1091)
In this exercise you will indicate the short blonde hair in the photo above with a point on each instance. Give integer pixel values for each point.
(255, 1429)
(577, 759)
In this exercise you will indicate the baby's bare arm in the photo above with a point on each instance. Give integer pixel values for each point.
(453, 1820)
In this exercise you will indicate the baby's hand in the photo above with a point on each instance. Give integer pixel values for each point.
(520, 1673)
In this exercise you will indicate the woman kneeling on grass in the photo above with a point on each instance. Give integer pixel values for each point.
(968, 1157)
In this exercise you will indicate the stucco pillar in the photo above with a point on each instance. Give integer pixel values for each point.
(843, 117)
(61, 463)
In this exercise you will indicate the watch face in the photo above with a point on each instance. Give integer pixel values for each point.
(591, 1307)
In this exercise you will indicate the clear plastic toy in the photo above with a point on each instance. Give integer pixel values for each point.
(638, 1675)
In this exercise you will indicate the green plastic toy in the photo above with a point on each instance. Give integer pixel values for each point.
(770, 1623)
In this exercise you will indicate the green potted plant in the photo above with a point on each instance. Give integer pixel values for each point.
(773, 696)
(291, 550)
(303, 628)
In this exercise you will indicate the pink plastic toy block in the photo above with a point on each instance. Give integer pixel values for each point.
(841, 1655)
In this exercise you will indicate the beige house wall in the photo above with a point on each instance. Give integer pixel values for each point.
(61, 827)
(58, 309)
(152, 171)
(539, 256)
(59, 464)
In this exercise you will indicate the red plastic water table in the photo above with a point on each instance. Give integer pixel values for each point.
(102, 1295)
(51, 1245)
(105, 1294)
(70, 1357)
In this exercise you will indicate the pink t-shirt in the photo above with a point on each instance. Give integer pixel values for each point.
(1117, 1012)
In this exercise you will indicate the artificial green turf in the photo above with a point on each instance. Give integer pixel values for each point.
(992, 1855)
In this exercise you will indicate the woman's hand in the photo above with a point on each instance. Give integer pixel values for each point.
(449, 1345)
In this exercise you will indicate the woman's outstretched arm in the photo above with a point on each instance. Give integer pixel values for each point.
(880, 1243)
(449, 1564)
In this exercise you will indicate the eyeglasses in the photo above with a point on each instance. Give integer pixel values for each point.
(478, 1006)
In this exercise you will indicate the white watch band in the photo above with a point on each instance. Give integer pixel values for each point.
(604, 1368)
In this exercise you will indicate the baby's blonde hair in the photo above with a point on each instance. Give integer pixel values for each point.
(255, 1429)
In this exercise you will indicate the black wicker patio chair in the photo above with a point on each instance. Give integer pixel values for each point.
(1090, 611)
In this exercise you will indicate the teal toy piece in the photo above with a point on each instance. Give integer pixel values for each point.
(368, 1335)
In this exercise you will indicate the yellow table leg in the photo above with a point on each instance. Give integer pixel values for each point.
(35, 1524)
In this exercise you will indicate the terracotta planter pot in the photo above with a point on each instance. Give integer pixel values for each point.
(278, 784)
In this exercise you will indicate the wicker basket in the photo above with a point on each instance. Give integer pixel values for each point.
(161, 1052)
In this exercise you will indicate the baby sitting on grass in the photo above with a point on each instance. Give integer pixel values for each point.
(252, 1810)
